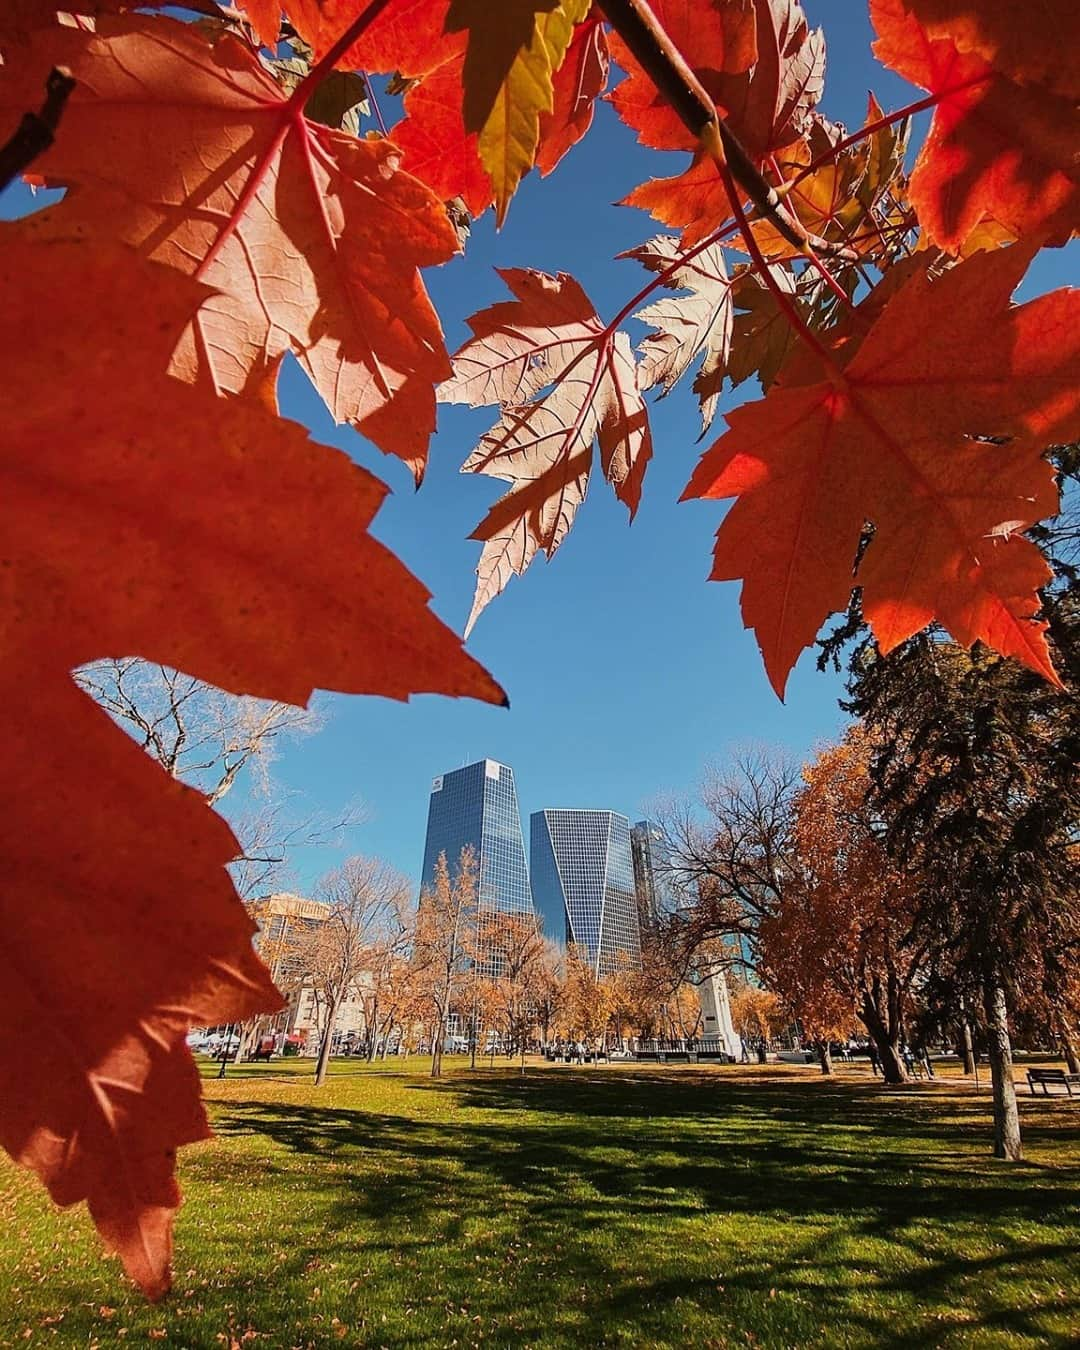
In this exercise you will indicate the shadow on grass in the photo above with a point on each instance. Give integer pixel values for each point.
(866, 1202)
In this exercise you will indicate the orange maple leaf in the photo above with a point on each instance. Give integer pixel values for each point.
(150, 517)
(1028, 47)
(897, 438)
(840, 199)
(191, 152)
(995, 147)
(548, 338)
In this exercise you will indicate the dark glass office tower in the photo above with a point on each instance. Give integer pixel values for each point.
(478, 806)
(583, 884)
(655, 896)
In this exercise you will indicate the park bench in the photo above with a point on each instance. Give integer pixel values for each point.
(1044, 1077)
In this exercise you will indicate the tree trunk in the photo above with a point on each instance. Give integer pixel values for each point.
(967, 1048)
(438, 1036)
(323, 1062)
(887, 1042)
(1006, 1117)
(1068, 1046)
(824, 1056)
(249, 1036)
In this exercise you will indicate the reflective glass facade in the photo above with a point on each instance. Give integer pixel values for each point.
(583, 884)
(478, 806)
(652, 882)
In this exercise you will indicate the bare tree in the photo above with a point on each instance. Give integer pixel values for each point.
(211, 740)
(445, 934)
(267, 834)
(196, 732)
(732, 855)
(382, 990)
(367, 904)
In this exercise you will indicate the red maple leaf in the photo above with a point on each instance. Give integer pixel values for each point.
(995, 147)
(409, 36)
(579, 82)
(763, 67)
(462, 53)
(150, 517)
(1029, 47)
(716, 38)
(435, 144)
(897, 438)
(191, 152)
(441, 132)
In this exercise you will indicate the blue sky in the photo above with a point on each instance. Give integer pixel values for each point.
(627, 671)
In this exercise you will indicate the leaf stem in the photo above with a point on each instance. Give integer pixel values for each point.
(930, 101)
(668, 272)
(374, 101)
(329, 60)
(291, 113)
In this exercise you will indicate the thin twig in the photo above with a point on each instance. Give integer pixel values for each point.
(372, 98)
(37, 131)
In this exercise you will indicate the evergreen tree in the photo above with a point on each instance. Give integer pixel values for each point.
(975, 777)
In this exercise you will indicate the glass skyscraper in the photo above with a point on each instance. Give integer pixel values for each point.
(477, 806)
(583, 885)
(652, 881)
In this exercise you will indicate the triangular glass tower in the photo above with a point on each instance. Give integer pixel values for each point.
(583, 885)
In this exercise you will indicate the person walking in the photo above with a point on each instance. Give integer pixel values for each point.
(875, 1062)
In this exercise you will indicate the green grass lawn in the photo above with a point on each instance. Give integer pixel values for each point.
(621, 1206)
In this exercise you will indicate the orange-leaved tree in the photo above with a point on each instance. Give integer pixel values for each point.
(221, 213)
(842, 944)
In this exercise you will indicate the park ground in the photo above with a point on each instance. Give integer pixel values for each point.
(611, 1206)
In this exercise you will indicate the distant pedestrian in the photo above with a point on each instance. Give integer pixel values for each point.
(875, 1062)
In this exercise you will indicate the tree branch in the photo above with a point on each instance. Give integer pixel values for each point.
(642, 32)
